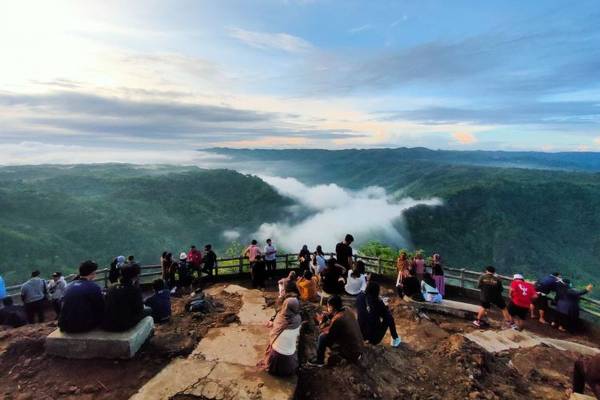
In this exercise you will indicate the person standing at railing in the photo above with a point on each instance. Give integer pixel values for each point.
(57, 287)
(2, 288)
(437, 271)
(567, 305)
(343, 252)
(252, 252)
(318, 262)
(490, 292)
(194, 259)
(521, 294)
(402, 265)
(304, 259)
(166, 261)
(270, 252)
(419, 266)
(33, 295)
(210, 260)
(543, 287)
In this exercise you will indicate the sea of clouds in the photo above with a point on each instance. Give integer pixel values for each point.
(334, 211)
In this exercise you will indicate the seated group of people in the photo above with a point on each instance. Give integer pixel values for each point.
(340, 328)
(85, 308)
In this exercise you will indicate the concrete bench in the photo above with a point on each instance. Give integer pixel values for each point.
(100, 344)
(449, 307)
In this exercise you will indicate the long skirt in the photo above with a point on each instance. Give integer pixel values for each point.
(440, 284)
(279, 364)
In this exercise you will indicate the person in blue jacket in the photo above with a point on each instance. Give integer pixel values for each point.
(160, 302)
(2, 288)
(83, 304)
(543, 288)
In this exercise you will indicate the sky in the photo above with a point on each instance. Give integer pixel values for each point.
(82, 77)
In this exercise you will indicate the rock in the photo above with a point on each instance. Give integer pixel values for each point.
(90, 389)
(474, 395)
(73, 389)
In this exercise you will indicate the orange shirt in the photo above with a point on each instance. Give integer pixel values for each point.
(307, 289)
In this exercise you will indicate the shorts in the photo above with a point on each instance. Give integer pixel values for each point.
(498, 302)
(517, 311)
(541, 302)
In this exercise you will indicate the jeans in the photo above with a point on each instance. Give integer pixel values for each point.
(57, 306)
(380, 330)
(271, 266)
(322, 343)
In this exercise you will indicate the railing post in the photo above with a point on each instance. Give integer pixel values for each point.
(462, 277)
(379, 265)
(241, 264)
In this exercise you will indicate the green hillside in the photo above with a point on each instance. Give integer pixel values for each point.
(53, 217)
(518, 219)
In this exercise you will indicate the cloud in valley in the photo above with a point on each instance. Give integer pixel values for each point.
(334, 211)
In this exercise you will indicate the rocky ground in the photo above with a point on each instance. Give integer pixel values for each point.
(434, 362)
(28, 373)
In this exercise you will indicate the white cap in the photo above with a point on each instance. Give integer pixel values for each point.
(183, 256)
(518, 276)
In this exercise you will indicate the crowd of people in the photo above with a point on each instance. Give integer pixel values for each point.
(82, 305)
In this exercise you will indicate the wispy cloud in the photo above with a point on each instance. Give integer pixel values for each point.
(271, 41)
(362, 28)
(400, 20)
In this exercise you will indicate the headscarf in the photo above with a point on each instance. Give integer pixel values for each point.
(287, 318)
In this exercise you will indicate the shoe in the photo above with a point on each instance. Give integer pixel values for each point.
(477, 323)
(396, 342)
(315, 363)
(515, 327)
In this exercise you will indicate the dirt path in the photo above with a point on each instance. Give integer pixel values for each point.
(223, 365)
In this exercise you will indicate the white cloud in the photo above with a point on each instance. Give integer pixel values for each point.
(267, 40)
(35, 153)
(362, 28)
(369, 213)
(231, 234)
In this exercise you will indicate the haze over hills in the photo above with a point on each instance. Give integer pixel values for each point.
(539, 217)
(532, 220)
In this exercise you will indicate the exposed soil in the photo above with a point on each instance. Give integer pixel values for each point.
(436, 362)
(28, 373)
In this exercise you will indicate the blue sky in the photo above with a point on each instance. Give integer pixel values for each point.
(300, 73)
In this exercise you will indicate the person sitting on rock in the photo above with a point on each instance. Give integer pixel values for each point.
(331, 277)
(356, 281)
(281, 357)
(288, 285)
(490, 292)
(124, 303)
(340, 331)
(587, 370)
(374, 317)
(160, 302)
(83, 305)
(12, 315)
(308, 287)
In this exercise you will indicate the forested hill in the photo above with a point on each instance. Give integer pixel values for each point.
(519, 219)
(53, 217)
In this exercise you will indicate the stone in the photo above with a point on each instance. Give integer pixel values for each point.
(100, 344)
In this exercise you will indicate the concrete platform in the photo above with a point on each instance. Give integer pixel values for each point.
(449, 307)
(100, 344)
(497, 341)
(223, 365)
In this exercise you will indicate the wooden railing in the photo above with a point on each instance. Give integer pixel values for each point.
(235, 266)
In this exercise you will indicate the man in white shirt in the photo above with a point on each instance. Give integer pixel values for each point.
(270, 258)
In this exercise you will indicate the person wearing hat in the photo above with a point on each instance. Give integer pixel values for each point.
(183, 275)
(521, 294)
(83, 305)
(57, 287)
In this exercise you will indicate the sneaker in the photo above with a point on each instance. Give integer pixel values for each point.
(396, 342)
(477, 323)
(315, 363)
(515, 327)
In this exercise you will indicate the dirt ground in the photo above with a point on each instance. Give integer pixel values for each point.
(28, 373)
(434, 362)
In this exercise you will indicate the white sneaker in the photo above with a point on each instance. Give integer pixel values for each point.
(396, 342)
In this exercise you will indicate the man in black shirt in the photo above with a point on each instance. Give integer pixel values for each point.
(343, 252)
(490, 292)
(210, 260)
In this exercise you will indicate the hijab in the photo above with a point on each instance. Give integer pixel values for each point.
(287, 318)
